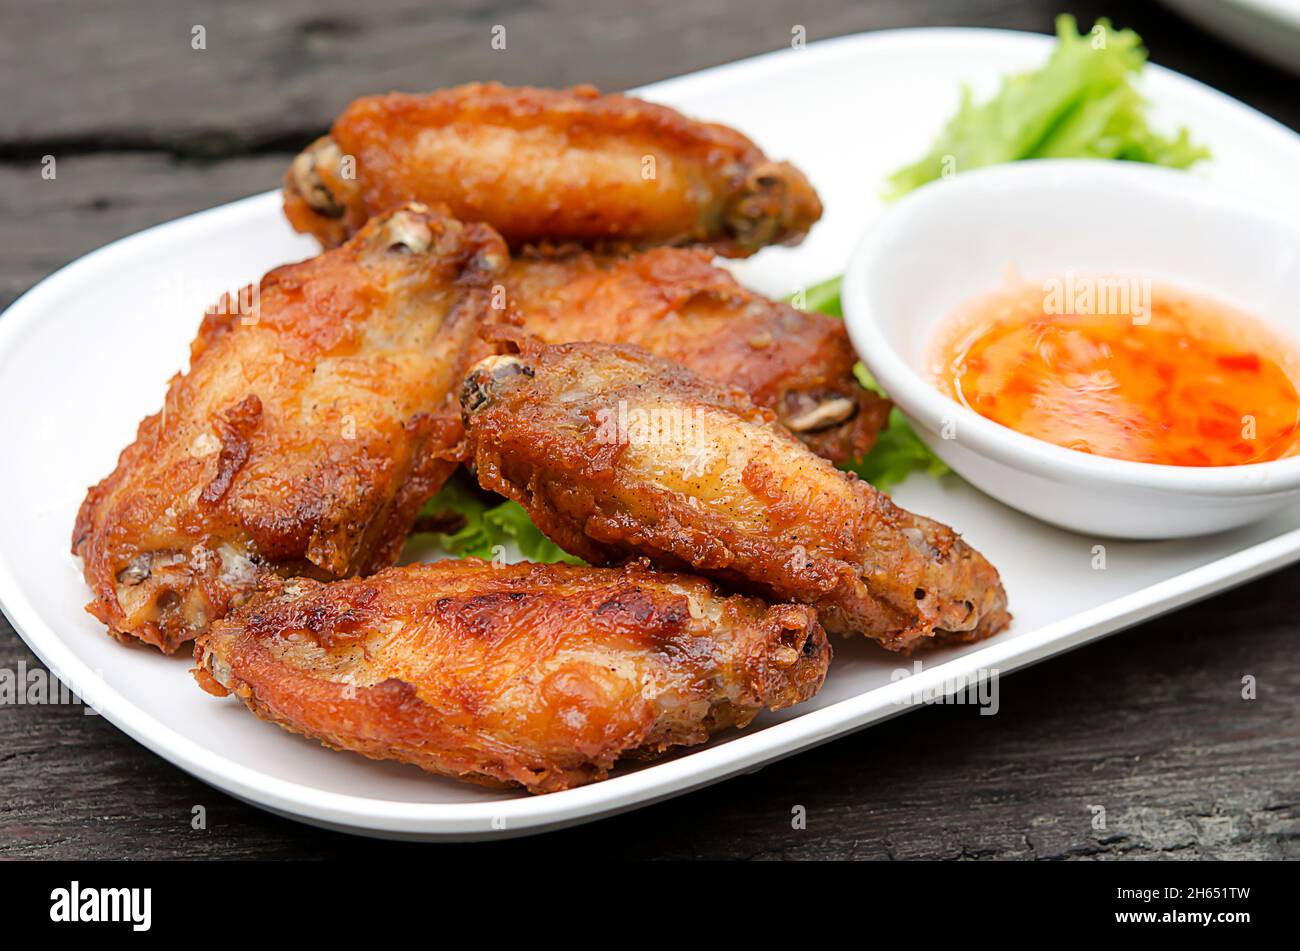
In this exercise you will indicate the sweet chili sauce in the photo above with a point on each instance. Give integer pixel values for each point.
(1171, 378)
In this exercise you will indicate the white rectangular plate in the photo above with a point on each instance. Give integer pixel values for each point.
(86, 354)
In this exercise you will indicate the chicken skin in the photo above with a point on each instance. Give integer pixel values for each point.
(541, 676)
(615, 452)
(544, 165)
(317, 416)
(676, 304)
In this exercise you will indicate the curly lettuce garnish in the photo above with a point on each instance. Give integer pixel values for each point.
(1080, 104)
(488, 525)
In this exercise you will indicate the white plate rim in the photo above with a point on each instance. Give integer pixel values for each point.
(1285, 13)
(702, 767)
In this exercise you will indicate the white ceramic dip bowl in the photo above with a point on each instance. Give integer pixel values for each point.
(957, 239)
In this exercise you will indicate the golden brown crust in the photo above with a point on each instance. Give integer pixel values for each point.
(542, 676)
(550, 165)
(313, 423)
(615, 452)
(676, 304)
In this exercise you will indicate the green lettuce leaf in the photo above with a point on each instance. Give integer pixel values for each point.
(1080, 104)
(490, 523)
(823, 298)
(510, 520)
(897, 453)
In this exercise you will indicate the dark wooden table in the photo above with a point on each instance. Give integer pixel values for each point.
(1149, 724)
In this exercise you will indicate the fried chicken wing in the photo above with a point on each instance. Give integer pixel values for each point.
(675, 303)
(616, 452)
(543, 165)
(315, 419)
(537, 675)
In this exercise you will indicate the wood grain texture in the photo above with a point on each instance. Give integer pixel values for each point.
(98, 198)
(288, 67)
(112, 74)
(1149, 724)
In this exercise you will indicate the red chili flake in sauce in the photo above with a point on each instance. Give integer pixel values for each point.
(1187, 382)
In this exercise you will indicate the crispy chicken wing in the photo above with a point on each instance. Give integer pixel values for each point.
(550, 165)
(536, 675)
(616, 452)
(316, 418)
(675, 303)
